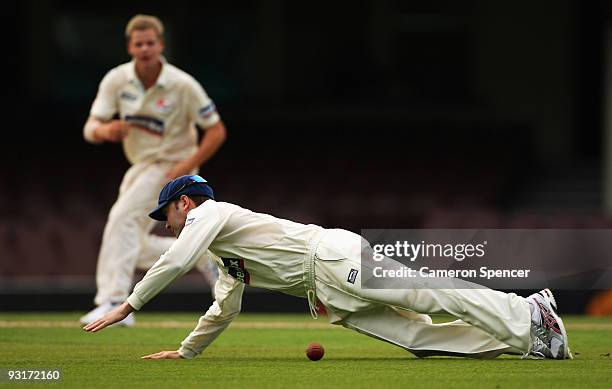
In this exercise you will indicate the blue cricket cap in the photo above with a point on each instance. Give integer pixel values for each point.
(184, 185)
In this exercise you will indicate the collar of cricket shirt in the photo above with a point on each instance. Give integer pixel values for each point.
(162, 79)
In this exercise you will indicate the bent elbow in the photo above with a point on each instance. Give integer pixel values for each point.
(221, 133)
(89, 130)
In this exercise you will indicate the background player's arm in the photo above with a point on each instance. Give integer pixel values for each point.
(97, 131)
(211, 142)
(203, 112)
(99, 126)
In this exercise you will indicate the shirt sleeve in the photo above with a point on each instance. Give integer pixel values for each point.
(202, 109)
(105, 106)
(228, 300)
(202, 226)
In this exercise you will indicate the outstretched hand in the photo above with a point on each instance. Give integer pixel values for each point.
(164, 355)
(112, 317)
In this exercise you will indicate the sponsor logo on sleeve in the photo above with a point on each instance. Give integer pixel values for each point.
(205, 112)
(189, 221)
(235, 268)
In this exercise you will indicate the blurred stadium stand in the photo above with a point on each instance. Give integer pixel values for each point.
(50, 246)
(471, 115)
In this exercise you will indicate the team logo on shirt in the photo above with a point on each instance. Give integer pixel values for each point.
(164, 105)
(208, 110)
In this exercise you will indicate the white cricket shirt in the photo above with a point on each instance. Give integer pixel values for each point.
(162, 117)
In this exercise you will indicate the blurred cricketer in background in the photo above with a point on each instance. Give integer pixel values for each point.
(323, 265)
(151, 107)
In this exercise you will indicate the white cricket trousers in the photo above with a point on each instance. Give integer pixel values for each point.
(127, 242)
(489, 322)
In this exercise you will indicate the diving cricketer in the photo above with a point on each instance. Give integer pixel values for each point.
(321, 265)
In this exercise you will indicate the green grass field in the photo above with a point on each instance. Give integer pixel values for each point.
(268, 351)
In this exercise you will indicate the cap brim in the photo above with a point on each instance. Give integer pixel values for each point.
(158, 213)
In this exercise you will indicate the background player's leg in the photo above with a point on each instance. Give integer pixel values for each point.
(209, 269)
(153, 246)
(127, 223)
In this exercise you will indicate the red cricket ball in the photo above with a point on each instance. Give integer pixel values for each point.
(315, 351)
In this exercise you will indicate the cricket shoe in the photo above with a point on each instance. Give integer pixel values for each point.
(548, 335)
(102, 310)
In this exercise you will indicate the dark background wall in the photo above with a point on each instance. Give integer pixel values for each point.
(365, 114)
